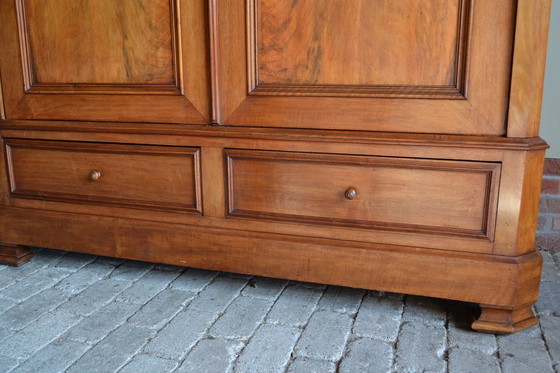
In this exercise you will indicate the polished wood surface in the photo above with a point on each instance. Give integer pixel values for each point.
(456, 198)
(113, 42)
(468, 98)
(529, 57)
(146, 176)
(131, 60)
(387, 145)
(357, 43)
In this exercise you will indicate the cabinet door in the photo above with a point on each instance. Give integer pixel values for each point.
(106, 60)
(433, 66)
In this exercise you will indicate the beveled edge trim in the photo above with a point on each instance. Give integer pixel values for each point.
(358, 137)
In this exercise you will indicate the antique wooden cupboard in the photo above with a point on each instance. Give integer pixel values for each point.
(380, 144)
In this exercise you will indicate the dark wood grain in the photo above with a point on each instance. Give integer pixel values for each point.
(127, 41)
(363, 42)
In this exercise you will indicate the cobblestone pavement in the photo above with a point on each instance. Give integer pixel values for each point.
(81, 313)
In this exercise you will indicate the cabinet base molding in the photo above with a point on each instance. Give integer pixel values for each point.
(15, 255)
(469, 277)
(505, 321)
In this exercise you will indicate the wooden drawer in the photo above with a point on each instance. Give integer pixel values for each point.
(419, 195)
(159, 177)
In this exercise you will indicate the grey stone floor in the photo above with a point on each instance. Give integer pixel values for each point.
(81, 313)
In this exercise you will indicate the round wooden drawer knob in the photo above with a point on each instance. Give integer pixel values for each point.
(94, 175)
(350, 194)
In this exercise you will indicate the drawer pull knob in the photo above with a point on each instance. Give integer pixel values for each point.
(94, 175)
(350, 194)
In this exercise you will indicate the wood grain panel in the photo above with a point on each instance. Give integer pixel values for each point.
(101, 41)
(395, 194)
(143, 176)
(529, 62)
(471, 100)
(358, 43)
(106, 60)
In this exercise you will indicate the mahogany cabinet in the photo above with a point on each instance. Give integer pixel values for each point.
(380, 144)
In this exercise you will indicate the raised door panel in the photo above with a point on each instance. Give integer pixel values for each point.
(433, 66)
(108, 60)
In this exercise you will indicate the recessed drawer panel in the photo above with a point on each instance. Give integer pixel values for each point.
(449, 197)
(161, 177)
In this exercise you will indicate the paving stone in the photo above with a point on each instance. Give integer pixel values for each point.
(269, 350)
(549, 271)
(425, 310)
(111, 261)
(307, 365)
(325, 336)
(21, 315)
(549, 299)
(465, 338)
(309, 285)
(294, 306)
(73, 261)
(94, 297)
(211, 355)
(100, 323)
(218, 295)
(33, 284)
(149, 364)
(241, 318)
(367, 355)
(6, 304)
(5, 333)
(8, 363)
(379, 318)
(114, 351)
(56, 357)
(169, 268)
(160, 309)
(193, 279)
(88, 275)
(551, 330)
(264, 288)
(420, 348)
(37, 335)
(522, 352)
(11, 275)
(341, 299)
(176, 339)
(147, 287)
(472, 361)
(131, 270)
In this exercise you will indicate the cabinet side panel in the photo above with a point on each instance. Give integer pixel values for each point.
(529, 61)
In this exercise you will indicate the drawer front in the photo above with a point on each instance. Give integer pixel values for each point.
(158, 177)
(420, 195)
